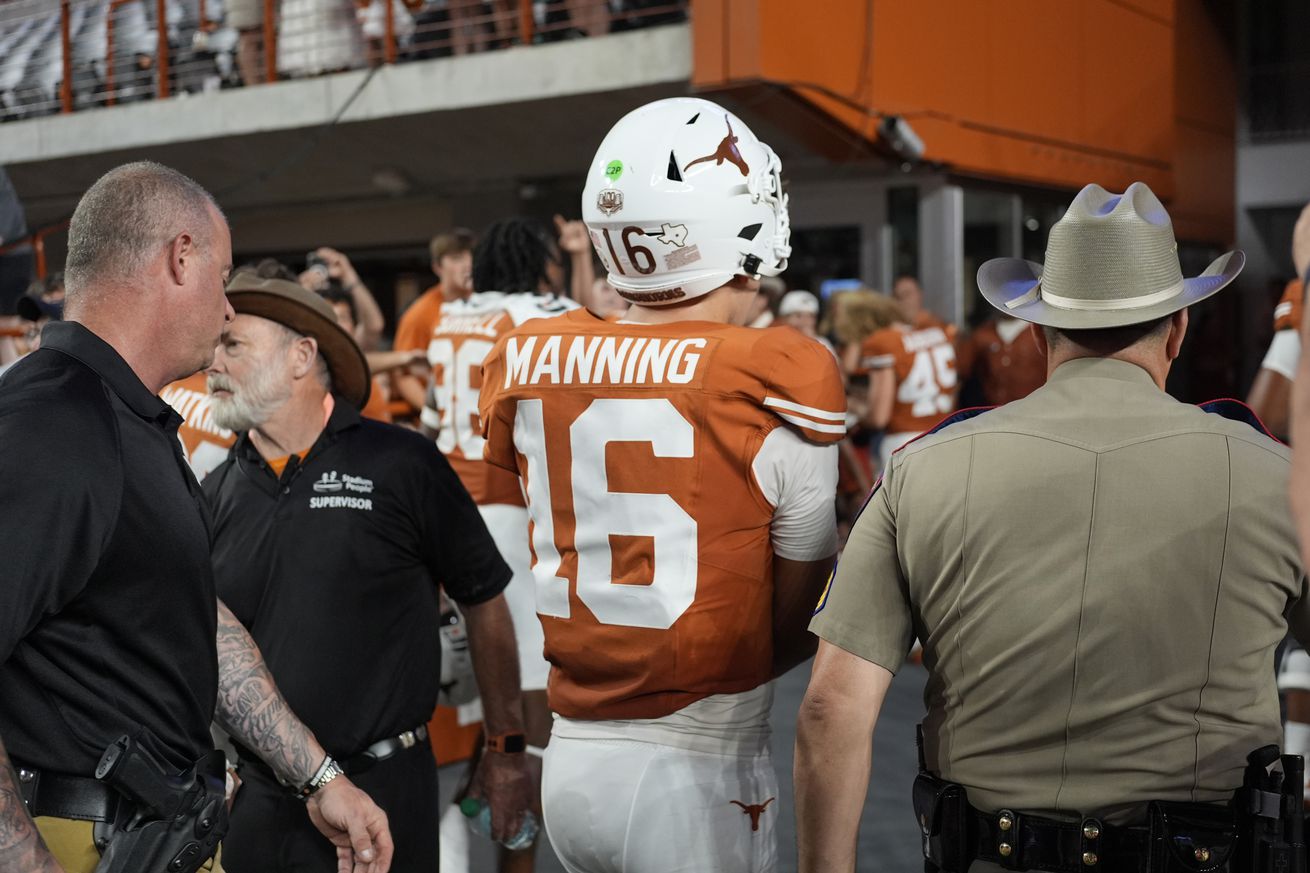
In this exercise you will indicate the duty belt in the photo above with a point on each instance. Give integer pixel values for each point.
(61, 796)
(1027, 842)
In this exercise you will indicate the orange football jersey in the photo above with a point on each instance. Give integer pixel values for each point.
(418, 321)
(924, 363)
(203, 441)
(650, 535)
(461, 339)
(1287, 314)
(1005, 358)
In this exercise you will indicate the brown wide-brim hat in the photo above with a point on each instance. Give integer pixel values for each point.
(1111, 261)
(306, 313)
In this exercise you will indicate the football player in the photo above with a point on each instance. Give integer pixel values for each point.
(517, 269)
(912, 381)
(1271, 395)
(680, 471)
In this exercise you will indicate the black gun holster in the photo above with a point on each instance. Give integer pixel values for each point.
(172, 823)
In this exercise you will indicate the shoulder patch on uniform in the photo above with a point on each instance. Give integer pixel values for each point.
(1236, 410)
(823, 598)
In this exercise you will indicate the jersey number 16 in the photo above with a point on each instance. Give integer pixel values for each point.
(599, 513)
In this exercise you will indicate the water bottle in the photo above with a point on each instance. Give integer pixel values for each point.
(478, 814)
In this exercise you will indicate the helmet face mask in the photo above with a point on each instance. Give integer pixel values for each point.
(680, 198)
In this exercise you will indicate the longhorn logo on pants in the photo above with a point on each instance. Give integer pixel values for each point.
(754, 810)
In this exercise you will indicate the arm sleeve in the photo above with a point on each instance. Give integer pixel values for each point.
(799, 478)
(458, 548)
(866, 606)
(805, 388)
(72, 506)
(496, 412)
(1284, 354)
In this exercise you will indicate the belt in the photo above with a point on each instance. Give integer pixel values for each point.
(355, 764)
(60, 796)
(383, 749)
(1017, 841)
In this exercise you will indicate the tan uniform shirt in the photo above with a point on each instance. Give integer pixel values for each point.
(1100, 576)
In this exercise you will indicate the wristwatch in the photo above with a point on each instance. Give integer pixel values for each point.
(507, 743)
(327, 771)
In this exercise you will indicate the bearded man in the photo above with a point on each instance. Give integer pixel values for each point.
(331, 536)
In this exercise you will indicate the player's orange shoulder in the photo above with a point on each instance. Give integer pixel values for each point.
(796, 379)
(414, 330)
(879, 348)
(1287, 314)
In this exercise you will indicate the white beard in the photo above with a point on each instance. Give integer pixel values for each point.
(251, 404)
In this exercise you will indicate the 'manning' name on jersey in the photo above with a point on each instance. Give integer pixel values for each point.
(464, 334)
(579, 360)
(650, 535)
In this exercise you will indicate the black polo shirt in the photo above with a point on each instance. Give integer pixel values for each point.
(107, 609)
(334, 569)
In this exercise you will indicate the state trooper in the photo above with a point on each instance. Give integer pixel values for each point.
(1099, 575)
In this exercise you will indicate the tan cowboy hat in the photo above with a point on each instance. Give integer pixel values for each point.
(1111, 261)
(306, 313)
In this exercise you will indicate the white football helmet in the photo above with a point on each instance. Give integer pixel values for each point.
(680, 198)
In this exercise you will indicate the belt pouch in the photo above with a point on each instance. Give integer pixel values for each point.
(942, 811)
(1191, 837)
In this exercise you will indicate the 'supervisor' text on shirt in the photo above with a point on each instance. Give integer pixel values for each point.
(584, 360)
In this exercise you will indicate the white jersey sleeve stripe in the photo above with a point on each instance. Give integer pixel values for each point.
(812, 425)
(821, 414)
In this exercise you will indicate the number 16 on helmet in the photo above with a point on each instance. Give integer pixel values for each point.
(680, 198)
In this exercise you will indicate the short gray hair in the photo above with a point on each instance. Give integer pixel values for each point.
(127, 217)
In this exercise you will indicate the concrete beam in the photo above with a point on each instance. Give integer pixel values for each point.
(628, 60)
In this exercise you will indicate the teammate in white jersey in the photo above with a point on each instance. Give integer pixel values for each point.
(521, 261)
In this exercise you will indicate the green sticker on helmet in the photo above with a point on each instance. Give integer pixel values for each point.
(613, 170)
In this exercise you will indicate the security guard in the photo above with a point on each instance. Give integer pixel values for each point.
(109, 659)
(1099, 574)
(331, 535)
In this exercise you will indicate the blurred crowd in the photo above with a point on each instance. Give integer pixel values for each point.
(905, 368)
(216, 44)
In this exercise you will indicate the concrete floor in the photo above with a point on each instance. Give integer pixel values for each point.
(888, 837)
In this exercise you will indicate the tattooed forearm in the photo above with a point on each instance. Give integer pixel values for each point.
(21, 847)
(253, 711)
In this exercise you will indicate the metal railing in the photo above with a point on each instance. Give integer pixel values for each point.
(74, 54)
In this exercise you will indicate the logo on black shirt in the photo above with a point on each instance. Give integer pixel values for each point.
(328, 483)
(332, 482)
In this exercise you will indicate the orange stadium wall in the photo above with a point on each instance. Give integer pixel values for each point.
(1032, 92)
